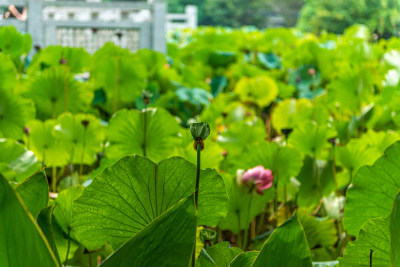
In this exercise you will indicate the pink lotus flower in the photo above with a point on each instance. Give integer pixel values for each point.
(260, 177)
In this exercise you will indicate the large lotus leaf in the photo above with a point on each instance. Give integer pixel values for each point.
(245, 259)
(221, 58)
(194, 96)
(42, 142)
(81, 135)
(13, 42)
(8, 73)
(287, 246)
(15, 112)
(218, 85)
(284, 162)
(261, 90)
(34, 193)
(243, 205)
(125, 133)
(374, 234)
(380, 235)
(55, 91)
(373, 190)
(120, 74)
(241, 134)
(379, 140)
(44, 221)
(306, 79)
(63, 229)
(18, 163)
(394, 230)
(320, 232)
(311, 139)
(130, 194)
(356, 154)
(21, 241)
(291, 112)
(316, 181)
(76, 59)
(155, 61)
(220, 255)
(269, 60)
(352, 89)
(167, 241)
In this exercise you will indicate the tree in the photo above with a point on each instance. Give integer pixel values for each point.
(381, 16)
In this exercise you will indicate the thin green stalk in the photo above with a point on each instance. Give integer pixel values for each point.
(69, 243)
(54, 180)
(116, 82)
(239, 237)
(246, 238)
(261, 222)
(246, 232)
(90, 259)
(145, 131)
(83, 155)
(196, 195)
(65, 91)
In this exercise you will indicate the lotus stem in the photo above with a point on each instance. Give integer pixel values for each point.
(69, 244)
(196, 196)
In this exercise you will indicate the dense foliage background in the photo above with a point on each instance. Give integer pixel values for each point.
(381, 16)
(107, 134)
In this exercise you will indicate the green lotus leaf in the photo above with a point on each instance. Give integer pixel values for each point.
(8, 73)
(381, 236)
(326, 264)
(77, 60)
(245, 259)
(352, 89)
(306, 79)
(316, 181)
(63, 229)
(14, 43)
(218, 85)
(364, 151)
(44, 221)
(220, 254)
(34, 193)
(221, 58)
(130, 194)
(195, 96)
(15, 112)
(21, 240)
(311, 139)
(373, 190)
(261, 90)
(269, 60)
(55, 91)
(155, 61)
(125, 133)
(291, 112)
(81, 135)
(42, 141)
(168, 240)
(243, 206)
(242, 134)
(320, 232)
(287, 246)
(18, 163)
(120, 74)
(284, 162)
